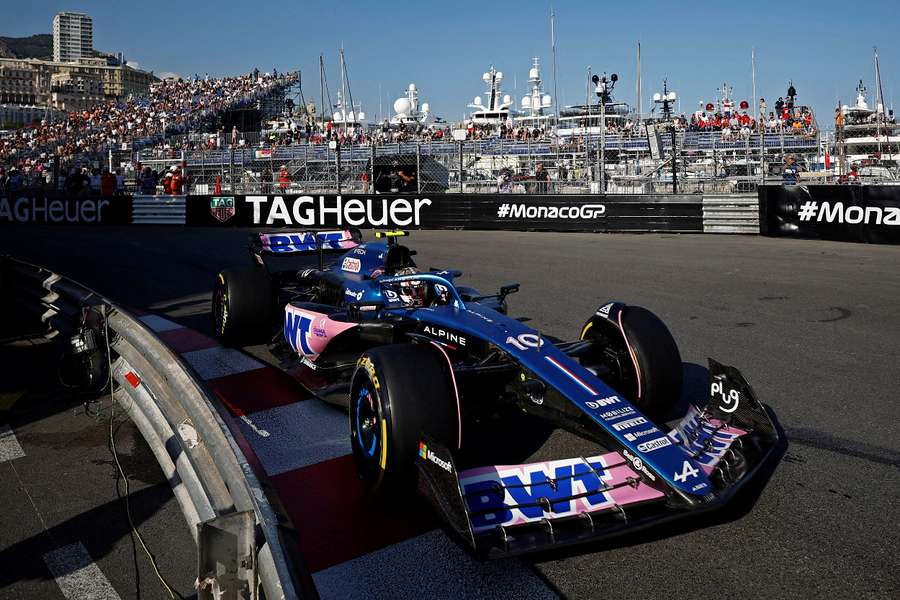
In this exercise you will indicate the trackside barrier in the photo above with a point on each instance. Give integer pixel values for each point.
(682, 213)
(731, 213)
(158, 210)
(246, 546)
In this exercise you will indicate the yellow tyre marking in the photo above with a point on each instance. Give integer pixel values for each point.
(383, 460)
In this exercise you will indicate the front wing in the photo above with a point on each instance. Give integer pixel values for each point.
(504, 510)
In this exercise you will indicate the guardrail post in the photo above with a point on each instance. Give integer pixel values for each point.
(226, 558)
(337, 165)
(461, 166)
(419, 168)
(372, 168)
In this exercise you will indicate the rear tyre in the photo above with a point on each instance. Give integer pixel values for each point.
(243, 304)
(398, 393)
(640, 359)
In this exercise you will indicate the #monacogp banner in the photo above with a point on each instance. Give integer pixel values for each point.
(476, 211)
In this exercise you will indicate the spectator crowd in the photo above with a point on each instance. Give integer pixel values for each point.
(172, 107)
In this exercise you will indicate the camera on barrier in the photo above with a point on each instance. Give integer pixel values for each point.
(84, 364)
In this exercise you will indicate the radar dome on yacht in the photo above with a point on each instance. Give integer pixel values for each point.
(401, 106)
(361, 115)
(351, 116)
(533, 73)
(337, 116)
(426, 107)
(486, 77)
(657, 97)
(507, 99)
(499, 75)
(477, 100)
(526, 102)
(412, 87)
(546, 100)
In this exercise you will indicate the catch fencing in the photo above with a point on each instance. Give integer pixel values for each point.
(246, 546)
(706, 162)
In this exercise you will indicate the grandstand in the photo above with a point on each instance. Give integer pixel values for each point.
(203, 126)
(172, 108)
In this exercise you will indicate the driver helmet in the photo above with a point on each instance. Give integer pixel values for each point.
(412, 292)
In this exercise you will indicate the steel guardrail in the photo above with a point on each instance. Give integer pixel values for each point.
(177, 415)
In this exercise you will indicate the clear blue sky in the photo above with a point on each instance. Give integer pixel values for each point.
(444, 47)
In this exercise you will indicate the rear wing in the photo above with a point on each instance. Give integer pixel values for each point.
(287, 243)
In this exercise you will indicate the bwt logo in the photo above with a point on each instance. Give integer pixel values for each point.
(573, 488)
(523, 211)
(296, 331)
(836, 213)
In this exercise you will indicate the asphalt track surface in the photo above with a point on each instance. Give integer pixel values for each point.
(812, 325)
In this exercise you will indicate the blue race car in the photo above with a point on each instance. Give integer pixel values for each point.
(428, 370)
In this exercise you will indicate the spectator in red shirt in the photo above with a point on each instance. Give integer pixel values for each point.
(177, 184)
(107, 184)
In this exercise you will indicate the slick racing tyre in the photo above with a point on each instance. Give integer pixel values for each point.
(243, 304)
(397, 393)
(638, 357)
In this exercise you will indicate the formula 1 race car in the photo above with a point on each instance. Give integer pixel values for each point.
(422, 364)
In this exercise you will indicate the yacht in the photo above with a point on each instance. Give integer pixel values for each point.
(496, 108)
(410, 112)
(868, 137)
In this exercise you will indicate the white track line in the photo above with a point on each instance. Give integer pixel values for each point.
(296, 435)
(157, 323)
(428, 566)
(9, 445)
(77, 575)
(217, 361)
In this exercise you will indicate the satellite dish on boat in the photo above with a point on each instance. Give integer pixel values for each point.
(546, 100)
(507, 99)
(477, 100)
(486, 77)
(499, 75)
(402, 106)
(361, 115)
(426, 107)
(412, 87)
(534, 73)
(526, 102)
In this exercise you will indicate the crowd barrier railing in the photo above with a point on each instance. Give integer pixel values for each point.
(212, 480)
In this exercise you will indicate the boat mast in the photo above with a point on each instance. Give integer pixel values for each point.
(322, 87)
(349, 92)
(753, 76)
(553, 50)
(879, 103)
(638, 91)
(326, 93)
(343, 92)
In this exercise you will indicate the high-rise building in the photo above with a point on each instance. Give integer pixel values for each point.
(73, 37)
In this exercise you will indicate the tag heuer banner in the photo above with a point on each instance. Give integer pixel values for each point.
(582, 212)
(61, 209)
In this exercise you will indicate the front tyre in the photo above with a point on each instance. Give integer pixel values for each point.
(243, 304)
(397, 393)
(636, 354)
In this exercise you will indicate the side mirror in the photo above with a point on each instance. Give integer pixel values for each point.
(506, 290)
